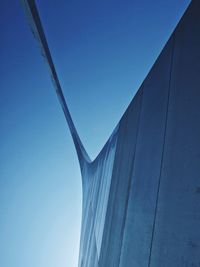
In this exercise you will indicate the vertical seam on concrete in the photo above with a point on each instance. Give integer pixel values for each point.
(163, 147)
(109, 192)
(115, 138)
(129, 182)
(110, 195)
(93, 228)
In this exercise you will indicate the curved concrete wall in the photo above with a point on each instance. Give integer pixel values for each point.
(141, 203)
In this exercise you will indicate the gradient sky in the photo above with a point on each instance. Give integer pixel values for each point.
(102, 51)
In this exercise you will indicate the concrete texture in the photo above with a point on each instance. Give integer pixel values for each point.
(153, 208)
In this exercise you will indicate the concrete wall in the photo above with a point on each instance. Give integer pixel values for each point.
(141, 195)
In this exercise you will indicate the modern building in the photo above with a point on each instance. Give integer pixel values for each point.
(141, 195)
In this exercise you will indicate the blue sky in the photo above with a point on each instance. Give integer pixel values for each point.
(102, 51)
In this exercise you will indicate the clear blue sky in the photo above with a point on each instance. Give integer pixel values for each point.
(102, 51)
